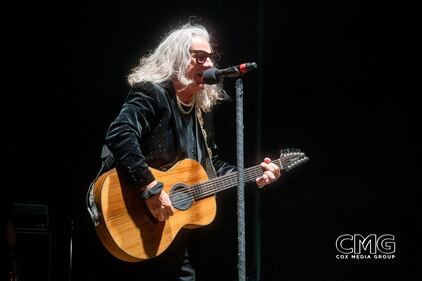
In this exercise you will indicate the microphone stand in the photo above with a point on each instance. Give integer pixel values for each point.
(240, 183)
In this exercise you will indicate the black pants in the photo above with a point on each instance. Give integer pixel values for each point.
(172, 265)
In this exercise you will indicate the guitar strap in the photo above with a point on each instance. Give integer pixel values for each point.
(209, 167)
(106, 165)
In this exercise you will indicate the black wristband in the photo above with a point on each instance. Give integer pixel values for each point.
(156, 189)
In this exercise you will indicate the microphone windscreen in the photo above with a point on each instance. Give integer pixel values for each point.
(210, 76)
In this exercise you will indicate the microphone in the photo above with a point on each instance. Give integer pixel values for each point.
(213, 75)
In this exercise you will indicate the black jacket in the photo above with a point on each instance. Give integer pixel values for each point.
(149, 131)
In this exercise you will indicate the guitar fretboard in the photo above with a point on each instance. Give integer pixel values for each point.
(202, 190)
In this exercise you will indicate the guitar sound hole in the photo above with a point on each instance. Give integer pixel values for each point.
(181, 197)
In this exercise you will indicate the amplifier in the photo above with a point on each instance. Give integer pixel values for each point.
(30, 217)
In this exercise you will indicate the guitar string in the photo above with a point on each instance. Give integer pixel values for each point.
(227, 178)
(206, 189)
(230, 180)
(210, 188)
(228, 183)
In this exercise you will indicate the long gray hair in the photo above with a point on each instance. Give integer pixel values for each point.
(171, 59)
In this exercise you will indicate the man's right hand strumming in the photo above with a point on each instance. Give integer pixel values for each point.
(159, 205)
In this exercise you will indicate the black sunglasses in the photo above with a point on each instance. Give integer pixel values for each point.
(201, 56)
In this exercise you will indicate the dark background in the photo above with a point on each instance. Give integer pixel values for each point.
(333, 80)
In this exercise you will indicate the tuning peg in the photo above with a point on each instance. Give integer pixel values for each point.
(281, 152)
(285, 151)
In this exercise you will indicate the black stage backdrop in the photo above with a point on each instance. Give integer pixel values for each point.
(332, 81)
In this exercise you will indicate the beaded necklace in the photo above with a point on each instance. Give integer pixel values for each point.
(180, 104)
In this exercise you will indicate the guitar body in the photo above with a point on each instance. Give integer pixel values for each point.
(128, 230)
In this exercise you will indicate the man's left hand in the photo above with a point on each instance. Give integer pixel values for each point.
(271, 173)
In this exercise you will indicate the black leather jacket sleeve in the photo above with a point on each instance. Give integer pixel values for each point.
(137, 116)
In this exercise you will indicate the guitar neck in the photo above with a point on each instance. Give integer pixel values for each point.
(228, 181)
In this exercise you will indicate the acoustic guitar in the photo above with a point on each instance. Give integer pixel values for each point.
(129, 231)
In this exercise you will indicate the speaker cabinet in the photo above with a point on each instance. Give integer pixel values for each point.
(33, 242)
(33, 256)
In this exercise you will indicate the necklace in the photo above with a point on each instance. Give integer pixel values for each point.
(180, 104)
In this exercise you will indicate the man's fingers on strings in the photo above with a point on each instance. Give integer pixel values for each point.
(264, 179)
(277, 168)
(267, 167)
(270, 175)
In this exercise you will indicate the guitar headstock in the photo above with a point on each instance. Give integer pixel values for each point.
(291, 158)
